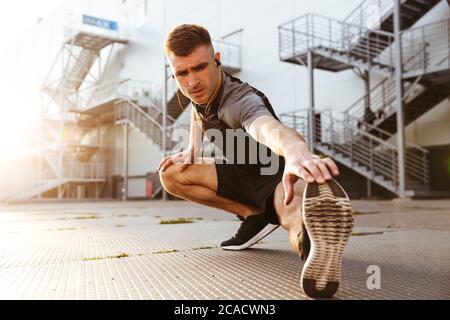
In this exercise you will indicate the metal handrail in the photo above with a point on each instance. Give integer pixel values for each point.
(381, 32)
(312, 31)
(385, 133)
(138, 110)
(383, 96)
(74, 170)
(148, 93)
(424, 49)
(436, 36)
(145, 123)
(417, 165)
(230, 53)
(361, 14)
(362, 147)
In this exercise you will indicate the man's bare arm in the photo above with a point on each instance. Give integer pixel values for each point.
(195, 134)
(188, 156)
(280, 139)
(300, 161)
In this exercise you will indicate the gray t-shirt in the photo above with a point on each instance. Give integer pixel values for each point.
(239, 104)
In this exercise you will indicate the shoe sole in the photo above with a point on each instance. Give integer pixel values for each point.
(259, 236)
(327, 215)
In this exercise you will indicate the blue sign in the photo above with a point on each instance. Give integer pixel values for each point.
(102, 23)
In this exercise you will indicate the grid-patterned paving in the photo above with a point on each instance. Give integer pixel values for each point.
(107, 254)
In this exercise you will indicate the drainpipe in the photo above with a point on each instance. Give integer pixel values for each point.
(399, 101)
(311, 116)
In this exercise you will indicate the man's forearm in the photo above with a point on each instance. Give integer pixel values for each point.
(195, 135)
(282, 140)
(290, 142)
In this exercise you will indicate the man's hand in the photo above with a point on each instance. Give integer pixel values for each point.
(301, 163)
(185, 158)
(306, 166)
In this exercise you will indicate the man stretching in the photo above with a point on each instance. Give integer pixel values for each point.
(295, 188)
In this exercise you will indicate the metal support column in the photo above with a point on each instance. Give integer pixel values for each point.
(367, 109)
(125, 163)
(164, 121)
(311, 116)
(399, 100)
(62, 108)
(41, 144)
(369, 188)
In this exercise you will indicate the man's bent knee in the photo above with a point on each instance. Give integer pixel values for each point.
(170, 179)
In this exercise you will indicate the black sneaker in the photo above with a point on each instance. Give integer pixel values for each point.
(252, 230)
(304, 243)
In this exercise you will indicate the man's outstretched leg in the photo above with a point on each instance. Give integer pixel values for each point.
(320, 216)
(198, 183)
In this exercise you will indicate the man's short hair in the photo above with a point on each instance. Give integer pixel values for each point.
(184, 39)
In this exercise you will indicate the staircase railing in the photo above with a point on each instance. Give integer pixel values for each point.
(79, 69)
(425, 49)
(435, 56)
(143, 93)
(312, 31)
(133, 89)
(381, 100)
(370, 13)
(361, 148)
(53, 164)
(73, 170)
(230, 54)
(71, 167)
(297, 120)
(416, 161)
(127, 110)
(36, 181)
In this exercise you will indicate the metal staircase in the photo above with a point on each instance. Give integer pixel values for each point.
(363, 152)
(364, 43)
(426, 84)
(80, 68)
(71, 152)
(128, 112)
(79, 101)
(379, 14)
(336, 45)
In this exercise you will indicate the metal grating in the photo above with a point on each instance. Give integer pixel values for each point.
(41, 257)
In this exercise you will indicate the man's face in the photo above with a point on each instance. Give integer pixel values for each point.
(197, 74)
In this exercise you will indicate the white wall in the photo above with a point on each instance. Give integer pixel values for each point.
(432, 128)
(284, 84)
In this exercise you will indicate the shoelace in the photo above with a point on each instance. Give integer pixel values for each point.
(243, 220)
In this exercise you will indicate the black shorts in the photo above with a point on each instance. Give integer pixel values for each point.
(250, 188)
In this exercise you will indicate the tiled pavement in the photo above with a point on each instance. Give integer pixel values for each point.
(118, 250)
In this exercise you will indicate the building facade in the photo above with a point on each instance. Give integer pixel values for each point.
(103, 90)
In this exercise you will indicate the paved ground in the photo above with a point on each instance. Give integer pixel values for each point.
(116, 250)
